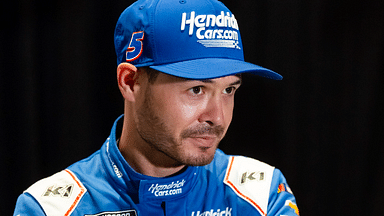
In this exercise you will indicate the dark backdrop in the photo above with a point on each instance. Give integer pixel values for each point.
(322, 125)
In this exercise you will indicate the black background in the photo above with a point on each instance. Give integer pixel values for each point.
(322, 125)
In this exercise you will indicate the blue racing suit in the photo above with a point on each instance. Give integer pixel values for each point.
(105, 185)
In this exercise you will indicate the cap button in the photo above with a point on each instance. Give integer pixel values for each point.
(183, 1)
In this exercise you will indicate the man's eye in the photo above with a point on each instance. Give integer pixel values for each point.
(229, 90)
(196, 90)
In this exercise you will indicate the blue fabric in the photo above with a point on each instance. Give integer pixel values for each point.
(113, 186)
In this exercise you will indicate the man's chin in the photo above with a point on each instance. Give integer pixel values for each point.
(200, 160)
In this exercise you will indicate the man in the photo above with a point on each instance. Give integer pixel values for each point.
(179, 65)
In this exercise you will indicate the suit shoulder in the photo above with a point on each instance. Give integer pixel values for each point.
(58, 194)
(251, 180)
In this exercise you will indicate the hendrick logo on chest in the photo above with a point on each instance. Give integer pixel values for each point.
(214, 212)
(167, 189)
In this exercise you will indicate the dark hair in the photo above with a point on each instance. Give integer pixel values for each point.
(151, 73)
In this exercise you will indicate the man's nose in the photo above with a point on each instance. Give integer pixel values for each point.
(213, 113)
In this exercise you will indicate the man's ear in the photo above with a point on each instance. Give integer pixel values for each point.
(126, 78)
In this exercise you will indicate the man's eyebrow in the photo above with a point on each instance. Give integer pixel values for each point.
(238, 82)
(207, 81)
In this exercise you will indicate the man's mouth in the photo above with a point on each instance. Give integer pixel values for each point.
(204, 141)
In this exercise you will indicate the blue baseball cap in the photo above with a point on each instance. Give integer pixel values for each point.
(194, 39)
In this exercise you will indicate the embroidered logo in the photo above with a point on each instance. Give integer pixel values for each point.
(135, 47)
(117, 213)
(258, 176)
(115, 168)
(293, 206)
(214, 212)
(59, 191)
(167, 189)
(211, 30)
(283, 187)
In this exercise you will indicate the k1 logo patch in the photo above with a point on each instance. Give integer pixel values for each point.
(249, 176)
(59, 191)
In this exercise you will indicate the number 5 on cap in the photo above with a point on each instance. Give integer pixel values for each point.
(135, 47)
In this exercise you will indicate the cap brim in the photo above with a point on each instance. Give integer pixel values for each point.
(210, 68)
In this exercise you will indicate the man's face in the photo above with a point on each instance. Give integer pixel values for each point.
(184, 120)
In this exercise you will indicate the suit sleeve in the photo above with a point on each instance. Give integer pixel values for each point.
(281, 199)
(27, 205)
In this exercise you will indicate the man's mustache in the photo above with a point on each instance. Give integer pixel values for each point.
(203, 130)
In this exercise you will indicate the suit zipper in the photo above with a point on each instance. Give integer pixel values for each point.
(163, 207)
